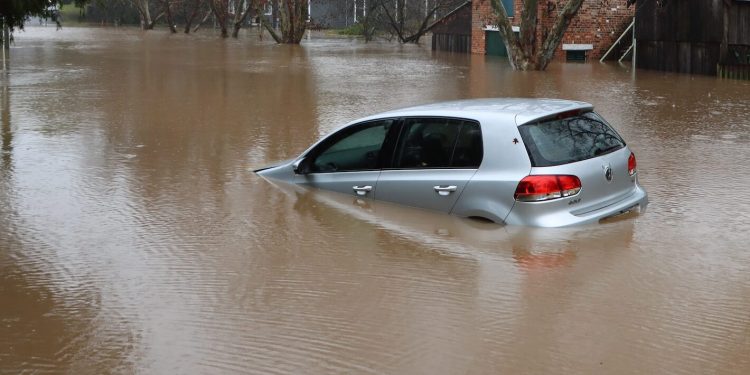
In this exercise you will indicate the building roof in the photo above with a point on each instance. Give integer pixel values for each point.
(446, 16)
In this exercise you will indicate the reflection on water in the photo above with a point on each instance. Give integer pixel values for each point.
(134, 238)
(6, 135)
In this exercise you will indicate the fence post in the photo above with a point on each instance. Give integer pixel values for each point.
(635, 45)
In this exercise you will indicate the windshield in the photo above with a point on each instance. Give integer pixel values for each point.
(568, 140)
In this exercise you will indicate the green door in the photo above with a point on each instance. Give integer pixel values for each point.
(494, 45)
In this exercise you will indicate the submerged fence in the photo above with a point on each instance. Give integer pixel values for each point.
(733, 71)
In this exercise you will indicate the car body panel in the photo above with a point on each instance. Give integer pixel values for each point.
(489, 194)
(554, 213)
(279, 171)
(361, 183)
(433, 189)
(598, 197)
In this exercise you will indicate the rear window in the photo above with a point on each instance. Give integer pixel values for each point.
(568, 140)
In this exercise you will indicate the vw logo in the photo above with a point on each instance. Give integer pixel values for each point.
(608, 173)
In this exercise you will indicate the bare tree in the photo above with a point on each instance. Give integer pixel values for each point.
(242, 9)
(144, 11)
(205, 18)
(168, 13)
(409, 20)
(190, 9)
(371, 19)
(220, 9)
(293, 21)
(524, 52)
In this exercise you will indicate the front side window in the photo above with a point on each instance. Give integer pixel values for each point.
(567, 140)
(439, 143)
(354, 149)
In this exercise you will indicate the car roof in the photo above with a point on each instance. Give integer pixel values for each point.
(523, 109)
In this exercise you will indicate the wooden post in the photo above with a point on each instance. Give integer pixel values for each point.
(635, 46)
(724, 47)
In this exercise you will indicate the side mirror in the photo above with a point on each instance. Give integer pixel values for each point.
(298, 166)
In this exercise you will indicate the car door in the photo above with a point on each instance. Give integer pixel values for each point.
(434, 160)
(348, 161)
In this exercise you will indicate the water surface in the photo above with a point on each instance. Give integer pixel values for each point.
(134, 237)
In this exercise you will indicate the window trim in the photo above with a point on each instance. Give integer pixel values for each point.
(342, 133)
(389, 166)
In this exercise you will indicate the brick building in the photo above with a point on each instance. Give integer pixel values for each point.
(593, 30)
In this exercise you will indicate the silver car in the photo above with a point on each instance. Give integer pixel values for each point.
(538, 162)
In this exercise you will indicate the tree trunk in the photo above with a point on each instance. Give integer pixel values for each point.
(556, 33)
(189, 22)
(190, 13)
(529, 14)
(203, 20)
(5, 44)
(270, 30)
(264, 23)
(170, 21)
(220, 9)
(523, 53)
(6, 34)
(293, 21)
(274, 13)
(151, 25)
(143, 11)
(240, 17)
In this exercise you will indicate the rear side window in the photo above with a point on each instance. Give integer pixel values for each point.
(469, 150)
(439, 143)
(568, 140)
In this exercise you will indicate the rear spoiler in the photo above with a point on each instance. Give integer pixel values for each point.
(573, 110)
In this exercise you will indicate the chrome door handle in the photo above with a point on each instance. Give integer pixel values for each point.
(362, 190)
(445, 190)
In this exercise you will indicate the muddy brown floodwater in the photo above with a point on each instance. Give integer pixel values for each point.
(134, 237)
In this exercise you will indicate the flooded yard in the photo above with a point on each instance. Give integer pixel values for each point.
(134, 237)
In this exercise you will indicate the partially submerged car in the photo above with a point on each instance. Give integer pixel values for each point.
(538, 162)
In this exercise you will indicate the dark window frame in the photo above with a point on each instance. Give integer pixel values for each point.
(334, 138)
(402, 129)
(576, 56)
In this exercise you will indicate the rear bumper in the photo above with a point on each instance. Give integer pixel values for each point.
(542, 215)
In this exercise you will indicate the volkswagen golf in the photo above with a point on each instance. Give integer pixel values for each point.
(537, 162)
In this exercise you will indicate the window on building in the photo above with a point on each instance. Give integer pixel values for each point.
(508, 4)
(575, 55)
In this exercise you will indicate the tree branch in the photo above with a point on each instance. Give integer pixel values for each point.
(555, 35)
(267, 26)
(392, 22)
(203, 20)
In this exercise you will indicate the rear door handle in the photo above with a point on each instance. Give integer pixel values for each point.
(445, 190)
(362, 190)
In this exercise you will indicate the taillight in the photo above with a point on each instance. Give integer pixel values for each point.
(537, 188)
(632, 164)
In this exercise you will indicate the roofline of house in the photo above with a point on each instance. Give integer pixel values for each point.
(467, 2)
